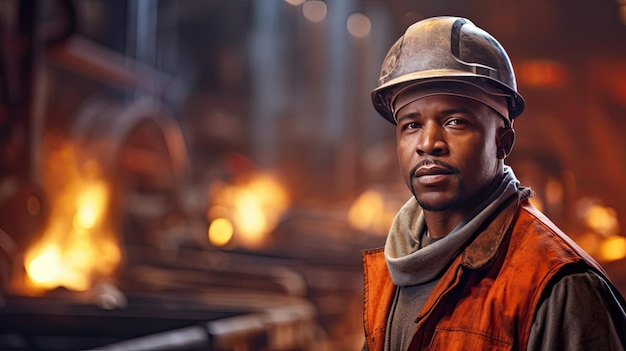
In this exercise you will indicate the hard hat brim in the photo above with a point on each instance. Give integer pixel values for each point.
(381, 96)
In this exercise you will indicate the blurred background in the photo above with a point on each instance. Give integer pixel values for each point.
(203, 174)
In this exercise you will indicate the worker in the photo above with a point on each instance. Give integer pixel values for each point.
(469, 263)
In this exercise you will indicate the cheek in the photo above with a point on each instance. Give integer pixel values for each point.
(405, 160)
(405, 149)
(483, 161)
(491, 152)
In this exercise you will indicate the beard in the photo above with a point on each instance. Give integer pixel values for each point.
(442, 206)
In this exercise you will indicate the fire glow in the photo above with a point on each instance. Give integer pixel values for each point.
(246, 211)
(77, 245)
(371, 212)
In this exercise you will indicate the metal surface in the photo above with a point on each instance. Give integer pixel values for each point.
(446, 48)
(170, 304)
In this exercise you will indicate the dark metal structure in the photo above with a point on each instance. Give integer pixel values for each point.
(159, 299)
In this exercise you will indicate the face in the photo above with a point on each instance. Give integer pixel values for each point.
(450, 151)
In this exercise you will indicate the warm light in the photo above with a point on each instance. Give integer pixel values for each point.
(270, 194)
(359, 25)
(314, 10)
(254, 204)
(44, 269)
(536, 202)
(220, 231)
(111, 254)
(89, 203)
(602, 219)
(370, 212)
(364, 209)
(250, 216)
(554, 192)
(541, 73)
(77, 245)
(80, 254)
(50, 268)
(613, 248)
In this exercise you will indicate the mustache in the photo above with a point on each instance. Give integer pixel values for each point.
(427, 162)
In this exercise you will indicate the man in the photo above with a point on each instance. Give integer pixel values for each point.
(469, 264)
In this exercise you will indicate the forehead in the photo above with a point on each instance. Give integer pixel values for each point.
(444, 102)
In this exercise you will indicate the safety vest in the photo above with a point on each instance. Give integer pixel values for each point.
(486, 299)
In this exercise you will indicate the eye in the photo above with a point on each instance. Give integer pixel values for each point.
(409, 125)
(456, 121)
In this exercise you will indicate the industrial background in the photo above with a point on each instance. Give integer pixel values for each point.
(203, 174)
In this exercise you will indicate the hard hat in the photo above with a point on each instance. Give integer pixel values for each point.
(446, 49)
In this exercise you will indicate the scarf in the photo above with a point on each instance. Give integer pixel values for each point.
(411, 264)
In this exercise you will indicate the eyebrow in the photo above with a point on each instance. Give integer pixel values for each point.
(445, 112)
(408, 116)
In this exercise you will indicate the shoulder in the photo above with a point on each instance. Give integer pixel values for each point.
(533, 229)
(583, 288)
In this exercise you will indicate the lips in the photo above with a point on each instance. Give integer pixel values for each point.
(431, 170)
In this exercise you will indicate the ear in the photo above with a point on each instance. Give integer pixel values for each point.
(506, 140)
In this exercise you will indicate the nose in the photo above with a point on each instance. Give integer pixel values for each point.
(431, 140)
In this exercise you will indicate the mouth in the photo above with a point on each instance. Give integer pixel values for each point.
(432, 172)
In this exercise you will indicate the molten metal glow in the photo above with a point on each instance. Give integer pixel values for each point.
(370, 212)
(253, 206)
(44, 269)
(77, 244)
(89, 204)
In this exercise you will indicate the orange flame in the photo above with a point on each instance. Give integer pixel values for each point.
(77, 245)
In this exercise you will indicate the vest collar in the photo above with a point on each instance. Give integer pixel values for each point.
(484, 248)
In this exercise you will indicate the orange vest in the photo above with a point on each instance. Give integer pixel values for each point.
(487, 297)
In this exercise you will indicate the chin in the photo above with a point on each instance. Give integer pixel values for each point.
(437, 204)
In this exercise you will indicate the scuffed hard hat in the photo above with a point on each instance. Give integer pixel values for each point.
(443, 49)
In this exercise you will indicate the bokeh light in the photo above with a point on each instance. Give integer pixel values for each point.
(220, 231)
(314, 11)
(613, 248)
(359, 25)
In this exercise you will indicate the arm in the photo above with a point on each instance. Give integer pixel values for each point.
(579, 312)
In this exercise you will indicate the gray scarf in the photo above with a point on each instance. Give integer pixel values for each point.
(411, 265)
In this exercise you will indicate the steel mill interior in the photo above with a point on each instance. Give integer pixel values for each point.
(203, 174)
